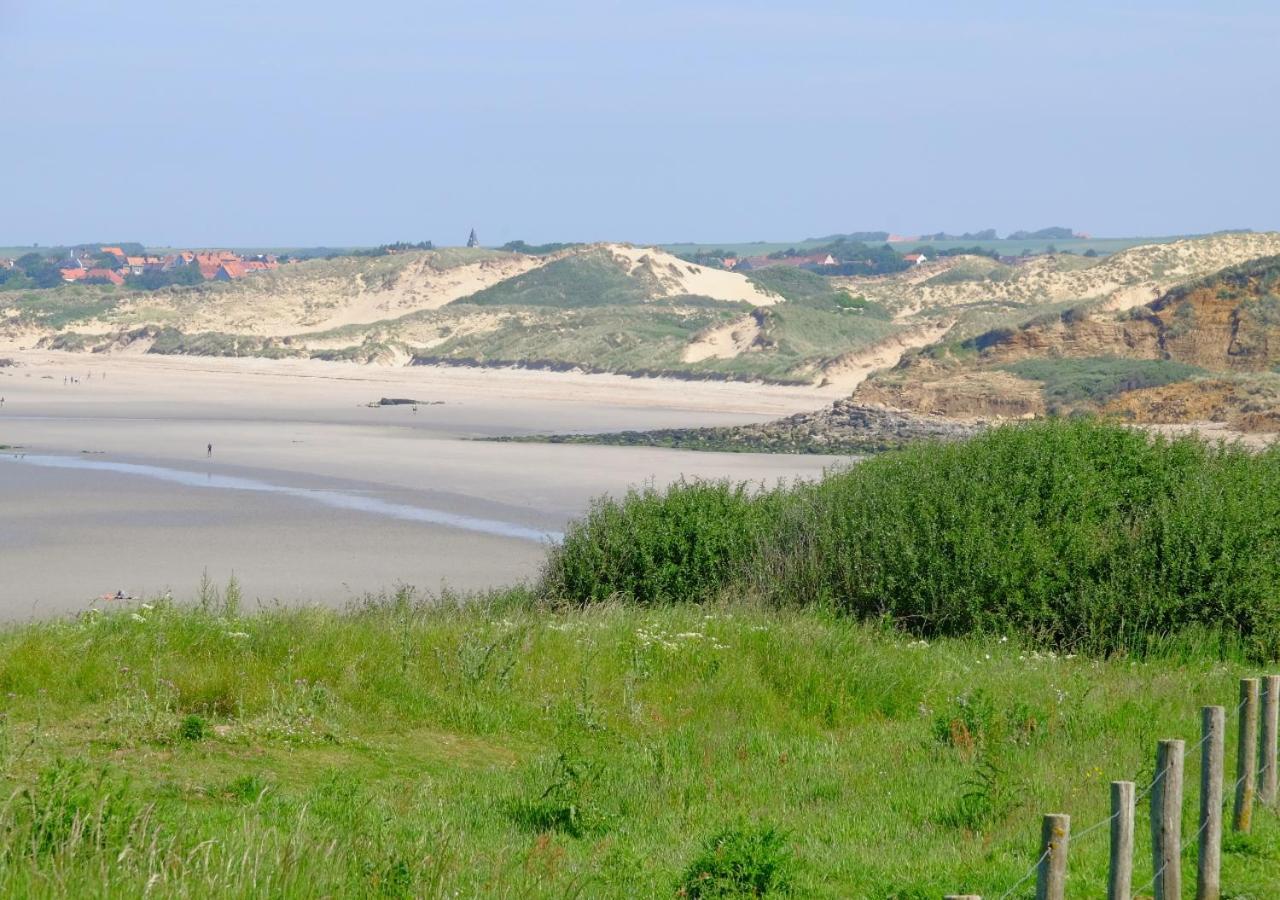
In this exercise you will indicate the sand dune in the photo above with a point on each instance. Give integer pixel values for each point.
(675, 276)
(724, 341)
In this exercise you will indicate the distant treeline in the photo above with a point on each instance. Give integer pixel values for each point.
(852, 257)
(536, 249)
(397, 247)
(1053, 233)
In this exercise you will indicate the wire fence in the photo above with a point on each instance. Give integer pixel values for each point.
(1250, 713)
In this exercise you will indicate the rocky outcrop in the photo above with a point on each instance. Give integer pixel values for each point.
(845, 427)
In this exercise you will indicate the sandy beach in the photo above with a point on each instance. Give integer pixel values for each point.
(310, 495)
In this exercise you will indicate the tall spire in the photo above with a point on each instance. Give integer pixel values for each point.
(473, 241)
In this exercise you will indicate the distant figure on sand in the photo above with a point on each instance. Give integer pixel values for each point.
(210, 451)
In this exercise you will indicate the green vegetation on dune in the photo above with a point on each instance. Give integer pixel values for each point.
(810, 290)
(605, 338)
(58, 307)
(1098, 379)
(1075, 535)
(587, 279)
(171, 341)
(506, 749)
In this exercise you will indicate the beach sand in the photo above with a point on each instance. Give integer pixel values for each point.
(303, 430)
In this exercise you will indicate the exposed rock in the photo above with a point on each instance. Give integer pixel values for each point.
(842, 428)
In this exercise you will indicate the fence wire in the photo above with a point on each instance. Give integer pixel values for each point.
(1141, 795)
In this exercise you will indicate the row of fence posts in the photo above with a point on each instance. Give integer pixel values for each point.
(1256, 776)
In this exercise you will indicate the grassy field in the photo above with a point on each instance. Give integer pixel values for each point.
(507, 750)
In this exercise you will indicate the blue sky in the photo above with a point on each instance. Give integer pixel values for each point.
(292, 123)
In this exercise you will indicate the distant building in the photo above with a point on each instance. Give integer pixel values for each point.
(472, 240)
(916, 258)
(108, 275)
(229, 270)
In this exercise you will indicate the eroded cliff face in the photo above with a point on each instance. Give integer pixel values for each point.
(1220, 328)
(1228, 323)
(1247, 405)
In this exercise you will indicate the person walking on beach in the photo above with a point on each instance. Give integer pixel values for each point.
(210, 452)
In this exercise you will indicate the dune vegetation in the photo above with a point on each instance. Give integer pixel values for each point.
(869, 686)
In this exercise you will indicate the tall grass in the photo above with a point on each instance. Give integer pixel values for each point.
(1072, 535)
(502, 749)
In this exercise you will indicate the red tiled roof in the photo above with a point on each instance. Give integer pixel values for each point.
(114, 251)
(73, 274)
(108, 274)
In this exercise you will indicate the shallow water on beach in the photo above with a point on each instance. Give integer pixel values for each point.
(334, 498)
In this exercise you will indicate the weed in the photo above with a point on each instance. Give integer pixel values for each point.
(752, 861)
(192, 728)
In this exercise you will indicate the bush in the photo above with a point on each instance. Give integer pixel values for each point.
(1074, 535)
(739, 862)
(192, 728)
(680, 544)
(1099, 378)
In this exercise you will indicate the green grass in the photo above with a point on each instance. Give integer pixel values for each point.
(1097, 379)
(56, 308)
(1075, 535)
(511, 750)
(584, 280)
(609, 338)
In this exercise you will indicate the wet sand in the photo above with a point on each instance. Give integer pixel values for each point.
(309, 494)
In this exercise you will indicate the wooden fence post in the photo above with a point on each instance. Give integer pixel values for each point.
(1166, 820)
(1246, 755)
(1120, 874)
(1270, 721)
(1213, 724)
(1051, 877)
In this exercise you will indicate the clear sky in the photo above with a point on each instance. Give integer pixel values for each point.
(283, 122)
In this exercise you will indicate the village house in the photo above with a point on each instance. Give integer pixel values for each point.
(220, 265)
(916, 258)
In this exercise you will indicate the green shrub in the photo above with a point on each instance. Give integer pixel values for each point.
(680, 544)
(739, 862)
(1075, 535)
(192, 728)
(1098, 379)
